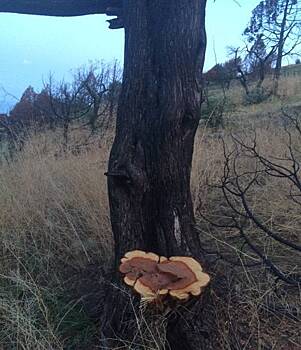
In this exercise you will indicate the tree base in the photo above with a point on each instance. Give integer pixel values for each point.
(129, 323)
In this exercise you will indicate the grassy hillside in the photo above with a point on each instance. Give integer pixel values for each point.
(56, 239)
(292, 70)
(238, 109)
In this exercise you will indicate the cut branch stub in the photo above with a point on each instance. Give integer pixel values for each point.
(115, 23)
(154, 277)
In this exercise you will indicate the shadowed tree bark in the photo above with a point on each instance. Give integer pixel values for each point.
(58, 8)
(158, 115)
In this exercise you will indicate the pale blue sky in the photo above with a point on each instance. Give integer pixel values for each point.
(32, 46)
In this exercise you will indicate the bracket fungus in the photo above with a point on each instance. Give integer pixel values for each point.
(155, 277)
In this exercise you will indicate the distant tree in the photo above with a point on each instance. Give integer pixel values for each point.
(221, 75)
(278, 24)
(253, 62)
(242, 73)
(258, 60)
(298, 61)
(114, 89)
(68, 103)
(89, 100)
(101, 83)
(230, 71)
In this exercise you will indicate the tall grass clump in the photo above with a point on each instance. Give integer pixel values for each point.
(54, 225)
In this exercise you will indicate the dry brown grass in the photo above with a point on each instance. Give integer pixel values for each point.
(54, 225)
(253, 311)
(237, 113)
(289, 91)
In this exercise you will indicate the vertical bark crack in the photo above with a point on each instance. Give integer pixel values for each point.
(177, 229)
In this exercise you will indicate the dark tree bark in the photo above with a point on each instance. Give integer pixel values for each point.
(281, 43)
(62, 8)
(158, 115)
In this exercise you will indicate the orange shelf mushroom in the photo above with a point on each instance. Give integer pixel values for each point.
(154, 277)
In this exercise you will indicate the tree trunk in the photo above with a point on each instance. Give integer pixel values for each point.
(65, 134)
(157, 118)
(158, 115)
(281, 43)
